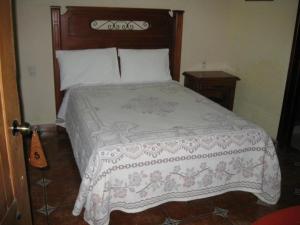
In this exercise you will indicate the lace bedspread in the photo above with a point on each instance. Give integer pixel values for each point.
(138, 146)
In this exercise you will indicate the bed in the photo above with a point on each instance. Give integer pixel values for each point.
(138, 145)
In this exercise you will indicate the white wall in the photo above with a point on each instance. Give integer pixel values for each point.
(261, 35)
(251, 39)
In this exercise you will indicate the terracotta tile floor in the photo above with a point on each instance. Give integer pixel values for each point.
(63, 180)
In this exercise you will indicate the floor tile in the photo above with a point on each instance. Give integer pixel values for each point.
(34, 174)
(62, 192)
(43, 182)
(46, 209)
(63, 216)
(37, 196)
(170, 221)
(39, 219)
(176, 210)
(206, 220)
(201, 206)
(153, 216)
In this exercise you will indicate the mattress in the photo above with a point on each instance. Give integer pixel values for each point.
(141, 145)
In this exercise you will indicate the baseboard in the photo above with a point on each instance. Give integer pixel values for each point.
(48, 128)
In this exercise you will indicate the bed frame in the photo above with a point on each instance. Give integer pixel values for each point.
(74, 30)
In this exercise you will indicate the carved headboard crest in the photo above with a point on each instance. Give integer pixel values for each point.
(119, 25)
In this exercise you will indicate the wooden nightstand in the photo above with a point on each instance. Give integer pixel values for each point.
(215, 85)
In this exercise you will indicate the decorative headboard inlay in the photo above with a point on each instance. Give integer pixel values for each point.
(102, 27)
(119, 25)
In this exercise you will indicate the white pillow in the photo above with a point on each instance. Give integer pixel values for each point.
(144, 65)
(89, 66)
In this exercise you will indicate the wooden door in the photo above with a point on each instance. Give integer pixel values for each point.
(14, 200)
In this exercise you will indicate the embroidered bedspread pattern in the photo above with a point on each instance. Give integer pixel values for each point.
(143, 145)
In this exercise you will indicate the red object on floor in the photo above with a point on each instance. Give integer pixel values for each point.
(288, 216)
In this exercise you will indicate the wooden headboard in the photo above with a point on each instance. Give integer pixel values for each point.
(74, 30)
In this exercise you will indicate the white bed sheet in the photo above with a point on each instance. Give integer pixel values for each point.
(140, 145)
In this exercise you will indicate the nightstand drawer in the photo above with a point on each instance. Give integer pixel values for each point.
(214, 82)
(219, 95)
(215, 85)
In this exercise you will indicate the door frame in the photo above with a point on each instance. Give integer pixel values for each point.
(292, 91)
